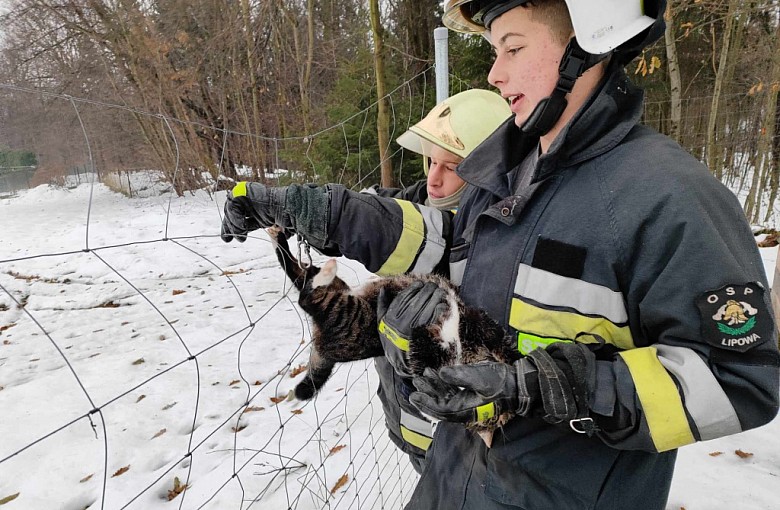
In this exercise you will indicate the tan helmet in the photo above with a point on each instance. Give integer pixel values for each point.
(458, 124)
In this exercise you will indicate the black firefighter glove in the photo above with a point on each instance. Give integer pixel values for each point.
(417, 305)
(552, 383)
(251, 206)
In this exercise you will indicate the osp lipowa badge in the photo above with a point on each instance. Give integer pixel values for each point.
(733, 316)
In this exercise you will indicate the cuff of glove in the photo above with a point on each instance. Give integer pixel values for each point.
(306, 209)
(527, 386)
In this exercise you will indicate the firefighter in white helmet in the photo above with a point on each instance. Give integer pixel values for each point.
(614, 260)
(610, 255)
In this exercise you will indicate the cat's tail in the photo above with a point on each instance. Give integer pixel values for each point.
(318, 374)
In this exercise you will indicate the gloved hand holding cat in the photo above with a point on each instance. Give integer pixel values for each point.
(418, 305)
(553, 383)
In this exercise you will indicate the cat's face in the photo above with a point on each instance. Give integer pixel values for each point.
(325, 275)
(322, 281)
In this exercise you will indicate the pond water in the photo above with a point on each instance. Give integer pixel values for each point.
(15, 180)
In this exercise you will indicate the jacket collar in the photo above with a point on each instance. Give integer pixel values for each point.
(601, 124)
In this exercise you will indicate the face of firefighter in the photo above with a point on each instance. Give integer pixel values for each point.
(442, 179)
(526, 67)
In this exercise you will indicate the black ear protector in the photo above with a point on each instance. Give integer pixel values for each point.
(575, 61)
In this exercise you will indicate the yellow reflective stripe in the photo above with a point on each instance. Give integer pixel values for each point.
(661, 402)
(527, 342)
(707, 404)
(415, 439)
(557, 324)
(485, 412)
(412, 237)
(239, 190)
(392, 335)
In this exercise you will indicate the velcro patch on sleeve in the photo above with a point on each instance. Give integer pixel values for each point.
(735, 317)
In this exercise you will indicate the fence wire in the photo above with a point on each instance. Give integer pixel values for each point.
(332, 452)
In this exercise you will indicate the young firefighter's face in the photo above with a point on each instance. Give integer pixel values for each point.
(442, 179)
(527, 59)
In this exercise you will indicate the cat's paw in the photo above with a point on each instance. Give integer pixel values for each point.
(305, 390)
(276, 233)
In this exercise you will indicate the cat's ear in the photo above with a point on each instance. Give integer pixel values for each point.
(326, 275)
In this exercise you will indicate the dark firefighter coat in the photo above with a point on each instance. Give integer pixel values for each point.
(406, 426)
(623, 242)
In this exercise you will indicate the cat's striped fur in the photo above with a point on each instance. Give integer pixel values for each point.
(345, 324)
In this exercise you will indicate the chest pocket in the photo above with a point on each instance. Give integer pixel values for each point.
(550, 303)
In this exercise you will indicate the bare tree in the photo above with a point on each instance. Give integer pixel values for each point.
(383, 121)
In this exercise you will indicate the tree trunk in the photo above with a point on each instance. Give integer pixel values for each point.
(769, 141)
(253, 126)
(713, 151)
(305, 94)
(382, 118)
(673, 69)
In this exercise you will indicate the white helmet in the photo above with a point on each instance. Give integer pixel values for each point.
(601, 26)
(458, 124)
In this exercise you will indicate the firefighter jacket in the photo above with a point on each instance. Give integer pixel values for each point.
(621, 241)
(406, 426)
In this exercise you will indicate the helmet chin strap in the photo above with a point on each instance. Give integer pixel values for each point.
(575, 61)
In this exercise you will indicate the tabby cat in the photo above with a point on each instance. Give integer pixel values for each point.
(345, 325)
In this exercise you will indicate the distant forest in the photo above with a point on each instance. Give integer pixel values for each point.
(322, 88)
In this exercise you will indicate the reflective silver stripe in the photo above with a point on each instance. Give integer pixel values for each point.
(456, 271)
(433, 249)
(554, 290)
(415, 424)
(706, 402)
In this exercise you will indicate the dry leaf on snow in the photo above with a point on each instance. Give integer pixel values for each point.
(178, 488)
(8, 499)
(337, 449)
(342, 481)
(298, 370)
(121, 471)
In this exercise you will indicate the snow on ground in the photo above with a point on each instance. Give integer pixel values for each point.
(120, 352)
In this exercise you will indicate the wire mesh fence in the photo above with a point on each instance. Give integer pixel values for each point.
(144, 363)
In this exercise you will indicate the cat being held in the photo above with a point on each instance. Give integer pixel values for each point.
(345, 325)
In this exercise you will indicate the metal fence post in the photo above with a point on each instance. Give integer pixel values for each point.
(440, 36)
